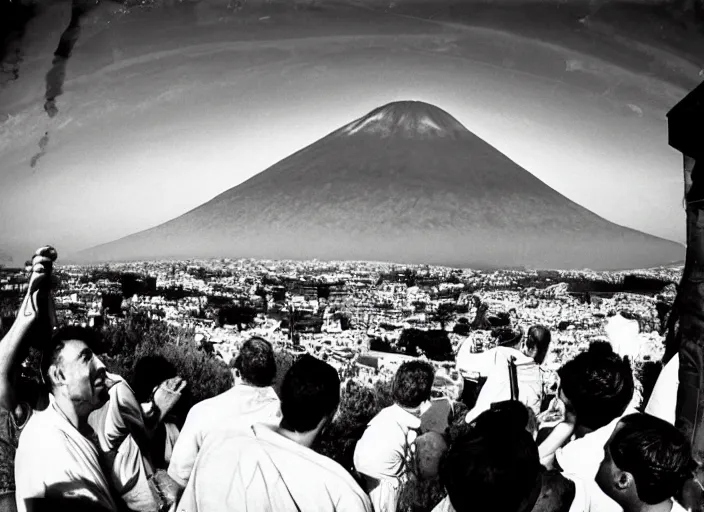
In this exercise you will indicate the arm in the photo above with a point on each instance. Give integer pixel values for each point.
(185, 450)
(36, 304)
(557, 438)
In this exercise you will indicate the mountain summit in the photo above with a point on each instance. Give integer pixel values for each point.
(408, 119)
(405, 183)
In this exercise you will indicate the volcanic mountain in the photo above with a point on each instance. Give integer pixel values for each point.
(405, 183)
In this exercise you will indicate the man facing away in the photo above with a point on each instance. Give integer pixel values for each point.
(529, 353)
(381, 453)
(495, 466)
(251, 400)
(646, 462)
(273, 468)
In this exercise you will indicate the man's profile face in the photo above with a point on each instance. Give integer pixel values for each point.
(84, 374)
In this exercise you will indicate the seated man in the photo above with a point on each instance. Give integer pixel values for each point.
(273, 467)
(597, 388)
(646, 462)
(251, 400)
(529, 353)
(381, 453)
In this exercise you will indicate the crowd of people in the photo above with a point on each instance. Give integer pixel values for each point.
(95, 442)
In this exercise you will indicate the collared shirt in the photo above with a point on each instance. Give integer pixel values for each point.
(114, 423)
(493, 364)
(382, 452)
(263, 471)
(237, 408)
(54, 460)
(582, 457)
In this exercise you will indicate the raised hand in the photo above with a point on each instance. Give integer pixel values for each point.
(36, 301)
(167, 395)
(36, 304)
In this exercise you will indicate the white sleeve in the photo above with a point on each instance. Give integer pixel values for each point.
(30, 462)
(185, 451)
(376, 455)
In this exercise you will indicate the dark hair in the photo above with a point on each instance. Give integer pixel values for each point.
(52, 351)
(506, 336)
(149, 372)
(413, 383)
(539, 338)
(256, 362)
(310, 392)
(598, 383)
(495, 461)
(656, 453)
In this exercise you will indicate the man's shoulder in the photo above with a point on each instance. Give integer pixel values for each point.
(40, 427)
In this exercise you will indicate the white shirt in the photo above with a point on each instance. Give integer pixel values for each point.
(663, 400)
(237, 408)
(493, 364)
(676, 507)
(582, 457)
(263, 471)
(624, 335)
(54, 460)
(382, 451)
(114, 424)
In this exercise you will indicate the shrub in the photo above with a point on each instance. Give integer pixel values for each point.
(126, 343)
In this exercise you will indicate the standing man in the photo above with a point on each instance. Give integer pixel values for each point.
(686, 133)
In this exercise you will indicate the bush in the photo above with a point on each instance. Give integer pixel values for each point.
(139, 336)
(358, 405)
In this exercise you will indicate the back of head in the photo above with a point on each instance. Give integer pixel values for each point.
(310, 392)
(557, 494)
(508, 337)
(598, 384)
(538, 339)
(52, 351)
(656, 453)
(413, 383)
(256, 362)
(149, 372)
(494, 465)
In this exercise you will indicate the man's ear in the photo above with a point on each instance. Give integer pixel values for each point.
(56, 375)
(624, 480)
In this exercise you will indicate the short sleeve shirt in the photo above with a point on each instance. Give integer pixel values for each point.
(9, 438)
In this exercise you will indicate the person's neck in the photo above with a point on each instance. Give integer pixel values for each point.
(68, 410)
(665, 506)
(303, 438)
(415, 411)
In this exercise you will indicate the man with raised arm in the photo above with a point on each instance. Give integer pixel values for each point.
(14, 347)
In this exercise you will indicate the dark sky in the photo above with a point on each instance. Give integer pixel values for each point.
(115, 117)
